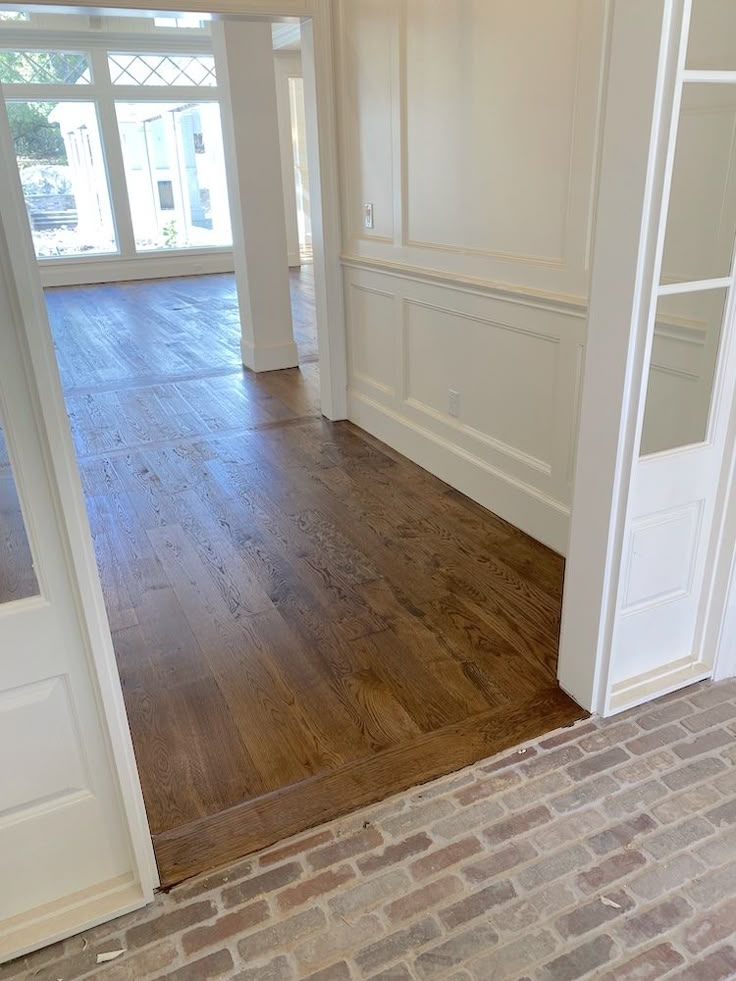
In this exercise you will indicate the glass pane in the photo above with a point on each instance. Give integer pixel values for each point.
(62, 170)
(162, 69)
(175, 172)
(17, 578)
(712, 39)
(687, 335)
(45, 67)
(701, 222)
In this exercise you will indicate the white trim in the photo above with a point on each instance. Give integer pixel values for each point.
(693, 286)
(73, 914)
(652, 684)
(47, 393)
(632, 159)
(273, 357)
(709, 77)
(523, 505)
(575, 306)
(32, 39)
(324, 196)
(112, 155)
(118, 268)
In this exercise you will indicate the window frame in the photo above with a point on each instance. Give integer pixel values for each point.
(18, 36)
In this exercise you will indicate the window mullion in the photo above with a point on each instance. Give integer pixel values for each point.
(113, 149)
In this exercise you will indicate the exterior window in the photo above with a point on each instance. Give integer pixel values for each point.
(45, 68)
(64, 178)
(175, 173)
(162, 69)
(166, 195)
(172, 150)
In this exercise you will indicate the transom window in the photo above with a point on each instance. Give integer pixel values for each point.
(163, 69)
(45, 68)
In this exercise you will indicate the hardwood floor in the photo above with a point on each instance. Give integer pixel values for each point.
(304, 620)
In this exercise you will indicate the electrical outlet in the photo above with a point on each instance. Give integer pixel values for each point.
(368, 215)
(453, 402)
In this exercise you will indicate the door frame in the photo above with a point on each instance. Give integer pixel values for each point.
(637, 77)
(640, 126)
(45, 384)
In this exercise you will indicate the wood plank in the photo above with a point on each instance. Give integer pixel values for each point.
(305, 620)
(216, 840)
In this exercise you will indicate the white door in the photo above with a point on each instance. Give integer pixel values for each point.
(674, 508)
(72, 831)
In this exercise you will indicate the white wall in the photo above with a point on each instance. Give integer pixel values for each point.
(472, 127)
(288, 64)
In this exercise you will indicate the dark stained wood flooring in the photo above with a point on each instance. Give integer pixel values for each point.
(304, 620)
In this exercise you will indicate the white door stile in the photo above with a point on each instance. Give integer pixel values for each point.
(82, 852)
(661, 638)
(639, 89)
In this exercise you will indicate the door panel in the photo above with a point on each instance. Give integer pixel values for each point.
(673, 507)
(67, 854)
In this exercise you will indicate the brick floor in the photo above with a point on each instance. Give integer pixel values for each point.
(606, 850)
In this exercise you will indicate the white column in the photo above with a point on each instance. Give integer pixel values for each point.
(245, 78)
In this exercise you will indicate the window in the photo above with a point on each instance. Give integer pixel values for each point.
(44, 67)
(175, 173)
(63, 175)
(187, 23)
(166, 195)
(172, 151)
(162, 69)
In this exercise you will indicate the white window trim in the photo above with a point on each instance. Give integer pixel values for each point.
(104, 94)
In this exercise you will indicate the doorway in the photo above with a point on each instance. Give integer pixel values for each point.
(319, 618)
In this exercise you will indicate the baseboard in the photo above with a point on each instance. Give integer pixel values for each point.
(116, 269)
(295, 260)
(653, 684)
(269, 358)
(522, 505)
(55, 921)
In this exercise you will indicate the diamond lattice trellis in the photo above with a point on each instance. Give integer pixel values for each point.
(165, 70)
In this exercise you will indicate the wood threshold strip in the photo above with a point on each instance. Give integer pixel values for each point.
(221, 838)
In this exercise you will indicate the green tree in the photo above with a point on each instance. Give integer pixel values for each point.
(62, 67)
(34, 136)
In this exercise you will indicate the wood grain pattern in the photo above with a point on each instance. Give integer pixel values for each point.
(255, 824)
(304, 621)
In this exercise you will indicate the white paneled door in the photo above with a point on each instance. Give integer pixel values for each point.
(677, 480)
(72, 829)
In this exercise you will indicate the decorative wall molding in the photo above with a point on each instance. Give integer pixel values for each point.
(511, 446)
(571, 305)
(376, 97)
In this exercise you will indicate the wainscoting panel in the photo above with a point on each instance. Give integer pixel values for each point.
(480, 389)
(508, 95)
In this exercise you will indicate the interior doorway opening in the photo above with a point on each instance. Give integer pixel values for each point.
(303, 619)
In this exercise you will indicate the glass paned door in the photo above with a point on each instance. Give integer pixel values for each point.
(672, 515)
